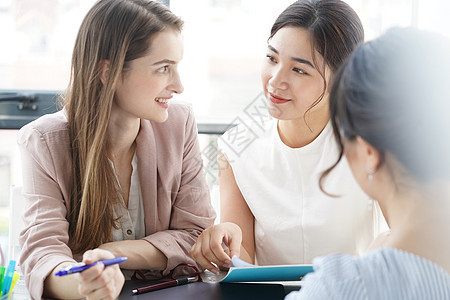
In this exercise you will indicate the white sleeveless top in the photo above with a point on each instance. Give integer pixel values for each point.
(294, 220)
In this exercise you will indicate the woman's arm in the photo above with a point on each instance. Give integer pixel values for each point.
(235, 230)
(141, 254)
(61, 287)
(234, 209)
(45, 236)
(44, 146)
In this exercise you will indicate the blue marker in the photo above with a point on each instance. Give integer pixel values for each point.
(8, 277)
(76, 268)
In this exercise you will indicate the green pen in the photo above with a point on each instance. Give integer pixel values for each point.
(2, 276)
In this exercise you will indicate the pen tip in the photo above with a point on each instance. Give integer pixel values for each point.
(134, 291)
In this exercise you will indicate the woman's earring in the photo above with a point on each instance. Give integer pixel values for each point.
(370, 173)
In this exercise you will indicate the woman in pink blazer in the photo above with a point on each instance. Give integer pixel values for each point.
(118, 171)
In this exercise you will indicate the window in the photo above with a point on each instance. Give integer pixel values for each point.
(225, 41)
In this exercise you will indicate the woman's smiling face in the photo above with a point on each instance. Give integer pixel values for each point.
(145, 87)
(291, 80)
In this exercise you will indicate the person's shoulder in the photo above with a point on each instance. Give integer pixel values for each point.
(46, 125)
(397, 261)
(50, 122)
(335, 276)
(394, 273)
(336, 266)
(383, 273)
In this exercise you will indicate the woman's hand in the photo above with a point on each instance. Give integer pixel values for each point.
(100, 282)
(208, 250)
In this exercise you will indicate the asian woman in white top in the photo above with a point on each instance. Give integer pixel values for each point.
(272, 208)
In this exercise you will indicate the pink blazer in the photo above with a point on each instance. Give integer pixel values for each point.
(175, 194)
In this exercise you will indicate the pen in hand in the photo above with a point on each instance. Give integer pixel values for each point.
(162, 285)
(76, 268)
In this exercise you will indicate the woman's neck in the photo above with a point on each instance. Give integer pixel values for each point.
(410, 203)
(122, 135)
(419, 222)
(301, 132)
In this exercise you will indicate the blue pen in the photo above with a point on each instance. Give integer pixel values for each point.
(8, 277)
(76, 268)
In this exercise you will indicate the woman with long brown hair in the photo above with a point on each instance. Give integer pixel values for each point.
(118, 171)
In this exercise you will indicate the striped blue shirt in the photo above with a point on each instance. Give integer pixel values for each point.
(381, 274)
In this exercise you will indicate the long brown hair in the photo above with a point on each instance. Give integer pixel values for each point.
(117, 31)
(334, 27)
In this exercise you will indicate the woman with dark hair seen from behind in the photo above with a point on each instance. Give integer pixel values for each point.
(272, 208)
(118, 171)
(390, 109)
